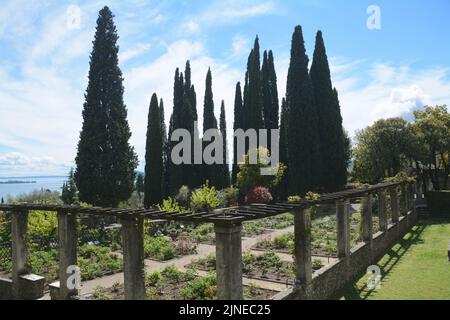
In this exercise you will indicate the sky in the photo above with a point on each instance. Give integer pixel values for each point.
(382, 72)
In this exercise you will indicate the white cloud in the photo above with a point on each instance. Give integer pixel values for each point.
(390, 91)
(18, 164)
(138, 50)
(240, 46)
(233, 11)
(190, 27)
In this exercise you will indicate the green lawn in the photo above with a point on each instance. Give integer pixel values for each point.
(416, 268)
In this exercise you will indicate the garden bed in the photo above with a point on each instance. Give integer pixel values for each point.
(94, 262)
(267, 267)
(165, 249)
(173, 284)
(323, 237)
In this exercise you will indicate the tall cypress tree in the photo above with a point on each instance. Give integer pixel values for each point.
(253, 103)
(333, 168)
(225, 172)
(176, 171)
(283, 187)
(269, 95)
(165, 149)
(237, 125)
(302, 133)
(106, 162)
(210, 172)
(193, 171)
(153, 156)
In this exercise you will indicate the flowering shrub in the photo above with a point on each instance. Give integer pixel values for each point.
(205, 198)
(258, 195)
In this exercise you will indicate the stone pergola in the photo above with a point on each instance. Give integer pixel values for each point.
(227, 226)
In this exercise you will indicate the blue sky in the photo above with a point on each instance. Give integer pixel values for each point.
(44, 63)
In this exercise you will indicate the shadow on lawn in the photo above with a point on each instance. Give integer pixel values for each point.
(386, 263)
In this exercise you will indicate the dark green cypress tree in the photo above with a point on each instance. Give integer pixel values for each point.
(165, 150)
(192, 171)
(237, 125)
(106, 162)
(153, 156)
(253, 103)
(332, 169)
(176, 171)
(225, 180)
(210, 172)
(283, 187)
(269, 95)
(302, 133)
(140, 188)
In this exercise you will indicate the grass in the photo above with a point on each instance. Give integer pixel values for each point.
(416, 268)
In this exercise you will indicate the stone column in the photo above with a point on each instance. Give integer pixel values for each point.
(343, 228)
(382, 212)
(67, 235)
(394, 204)
(302, 247)
(229, 261)
(133, 258)
(19, 225)
(366, 222)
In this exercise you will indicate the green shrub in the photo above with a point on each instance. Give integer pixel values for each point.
(249, 175)
(205, 198)
(170, 205)
(228, 197)
(201, 288)
(184, 196)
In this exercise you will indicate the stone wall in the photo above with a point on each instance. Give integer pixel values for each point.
(329, 280)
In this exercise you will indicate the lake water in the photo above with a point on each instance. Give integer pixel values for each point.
(15, 189)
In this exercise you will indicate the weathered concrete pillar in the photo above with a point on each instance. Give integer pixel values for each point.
(133, 258)
(366, 222)
(343, 229)
(229, 261)
(67, 235)
(394, 204)
(382, 212)
(19, 224)
(302, 247)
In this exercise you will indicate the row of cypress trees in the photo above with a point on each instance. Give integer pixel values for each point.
(312, 140)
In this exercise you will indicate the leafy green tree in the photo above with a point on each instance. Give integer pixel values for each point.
(333, 169)
(302, 121)
(105, 161)
(250, 176)
(269, 96)
(431, 149)
(153, 157)
(225, 173)
(69, 190)
(382, 150)
(238, 105)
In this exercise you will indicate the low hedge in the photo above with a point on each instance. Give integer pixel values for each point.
(439, 202)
